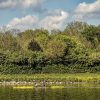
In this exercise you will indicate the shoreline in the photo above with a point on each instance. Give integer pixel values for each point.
(47, 84)
(46, 80)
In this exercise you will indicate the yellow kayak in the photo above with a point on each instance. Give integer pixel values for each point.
(23, 87)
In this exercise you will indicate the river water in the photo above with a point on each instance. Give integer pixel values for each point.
(71, 93)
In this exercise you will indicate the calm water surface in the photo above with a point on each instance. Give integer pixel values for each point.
(9, 93)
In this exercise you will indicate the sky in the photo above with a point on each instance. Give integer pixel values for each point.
(48, 14)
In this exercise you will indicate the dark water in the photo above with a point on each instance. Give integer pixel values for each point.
(50, 94)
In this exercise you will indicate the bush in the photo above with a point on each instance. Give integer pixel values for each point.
(54, 69)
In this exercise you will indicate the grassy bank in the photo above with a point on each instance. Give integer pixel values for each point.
(67, 78)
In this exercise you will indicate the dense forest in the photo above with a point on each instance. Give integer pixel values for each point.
(76, 49)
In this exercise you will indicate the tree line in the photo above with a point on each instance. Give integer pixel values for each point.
(76, 49)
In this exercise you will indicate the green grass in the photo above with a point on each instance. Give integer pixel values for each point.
(82, 77)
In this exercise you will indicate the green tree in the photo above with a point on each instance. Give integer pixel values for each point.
(8, 42)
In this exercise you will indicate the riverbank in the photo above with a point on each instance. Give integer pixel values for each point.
(46, 80)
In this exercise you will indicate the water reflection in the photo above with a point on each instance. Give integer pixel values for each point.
(9, 93)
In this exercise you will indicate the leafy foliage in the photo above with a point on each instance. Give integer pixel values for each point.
(74, 50)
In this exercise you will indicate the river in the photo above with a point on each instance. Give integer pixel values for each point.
(70, 93)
